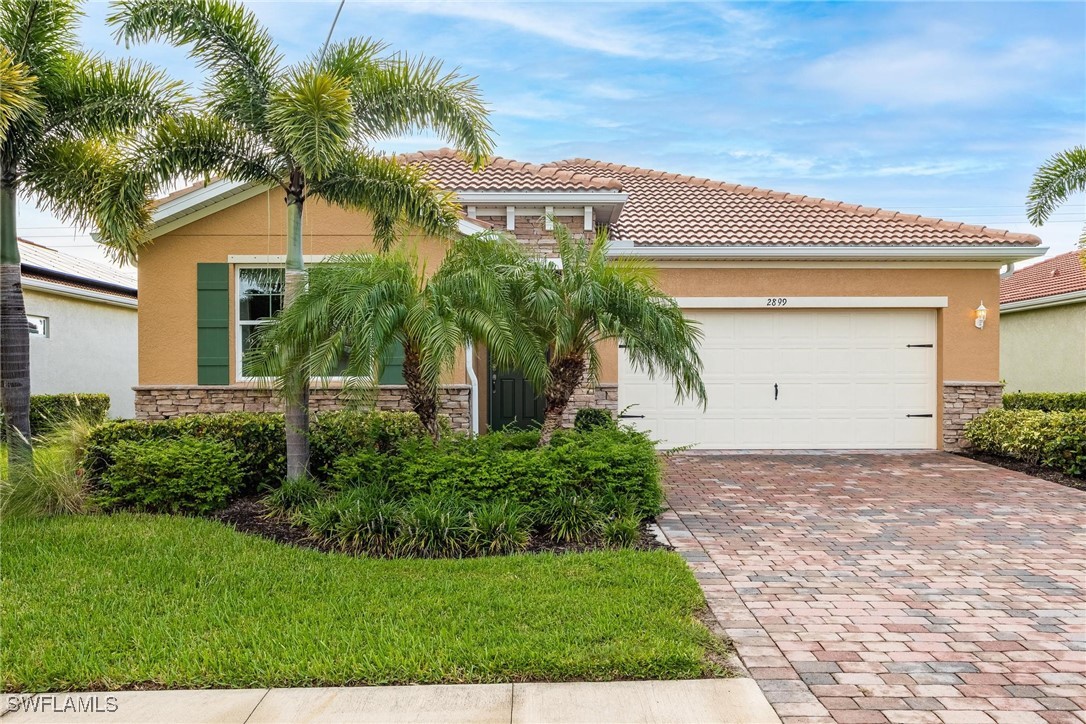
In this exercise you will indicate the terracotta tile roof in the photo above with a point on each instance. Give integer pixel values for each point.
(450, 171)
(666, 208)
(1058, 275)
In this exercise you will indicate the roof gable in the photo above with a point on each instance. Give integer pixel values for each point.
(1063, 274)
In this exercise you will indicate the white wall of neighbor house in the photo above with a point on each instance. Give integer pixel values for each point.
(90, 347)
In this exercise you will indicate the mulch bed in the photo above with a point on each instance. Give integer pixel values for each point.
(248, 515)
(1036, 471)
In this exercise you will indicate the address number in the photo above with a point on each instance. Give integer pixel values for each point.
(776, 301)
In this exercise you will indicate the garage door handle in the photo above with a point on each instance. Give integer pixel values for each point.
(925, 415)
(920, 345)
(627, 417)
(776, 390)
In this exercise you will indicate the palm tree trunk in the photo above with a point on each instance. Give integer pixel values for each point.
(296, 397)
(566, 375)
(423, 397)
(14, 334)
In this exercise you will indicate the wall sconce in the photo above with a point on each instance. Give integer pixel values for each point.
(979, 315)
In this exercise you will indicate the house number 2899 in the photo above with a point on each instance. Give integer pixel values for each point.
(776, 301)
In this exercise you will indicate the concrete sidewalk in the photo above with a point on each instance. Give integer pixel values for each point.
(705, 701)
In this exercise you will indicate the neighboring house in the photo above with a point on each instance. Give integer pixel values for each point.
(827, 325)
(82, 317)
(1043, 338)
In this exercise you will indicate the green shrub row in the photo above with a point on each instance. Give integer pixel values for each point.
(1054, 440)
(47, 412)
(1045, 401)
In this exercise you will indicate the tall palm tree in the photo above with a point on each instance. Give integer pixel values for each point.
(594, 298)
(358, 306)
(62, 113)
(1055, 181)
(308, 128)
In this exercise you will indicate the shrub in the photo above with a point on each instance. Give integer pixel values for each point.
(334, 434)
(258, 441)
(499, 527)
(570, 516)
(1052, 439)
(369, 520)
(186, 475)
(622, 532)
(1045, 401)
(293, 495)
(612, 462)
(588, 418)
(50, 412)
(433, 526)
(359, 469)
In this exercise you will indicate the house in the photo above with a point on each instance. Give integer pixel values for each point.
(83, 324)
(1042, 344)
(826, 325)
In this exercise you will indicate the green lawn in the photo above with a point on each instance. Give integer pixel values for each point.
(109, 602)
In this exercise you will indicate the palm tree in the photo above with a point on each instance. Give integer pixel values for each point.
(62, 112)
(359, 306)
(308, 128)
(1056, 180)
(594, 298)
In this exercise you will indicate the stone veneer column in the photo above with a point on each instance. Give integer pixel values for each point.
(160, 402)
(604, 396)
(962, 401)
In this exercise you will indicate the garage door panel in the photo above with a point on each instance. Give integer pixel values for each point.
(846, 379)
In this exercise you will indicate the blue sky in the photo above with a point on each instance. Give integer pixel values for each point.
(943, 109)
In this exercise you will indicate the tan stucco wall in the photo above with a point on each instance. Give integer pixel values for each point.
(1044, 350)
(167, 273)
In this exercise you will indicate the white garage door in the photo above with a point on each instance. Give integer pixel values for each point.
(799, 379)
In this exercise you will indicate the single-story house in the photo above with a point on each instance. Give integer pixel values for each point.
(1042, 345)
(827, 325)
(83, 326)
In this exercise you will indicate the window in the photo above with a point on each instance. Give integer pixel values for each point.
(260, 296)
(39, 326)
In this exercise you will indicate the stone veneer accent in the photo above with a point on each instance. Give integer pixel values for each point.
(531, 231)
(962, 401)
(604, 396)
(160, 402)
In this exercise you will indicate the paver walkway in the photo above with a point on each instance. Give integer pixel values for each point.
(919, 587)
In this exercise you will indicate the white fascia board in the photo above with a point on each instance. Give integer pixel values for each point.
(63, 290)
(815, 253)
(780, 303)
(1054, 300)
(467, 228)
(200, 203)
(541, 198)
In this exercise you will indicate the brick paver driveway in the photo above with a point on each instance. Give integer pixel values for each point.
(916, 587)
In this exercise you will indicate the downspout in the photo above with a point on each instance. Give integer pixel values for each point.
(1009, 272)
(469, 352)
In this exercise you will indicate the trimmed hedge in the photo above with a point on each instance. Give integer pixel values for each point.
(1054, 440)
(1045, 401)
(49, 411)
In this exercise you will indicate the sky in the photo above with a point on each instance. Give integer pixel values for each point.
(942, 109)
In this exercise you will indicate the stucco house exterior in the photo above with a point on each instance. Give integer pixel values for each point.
(83, 323)
(1043, 339)
(827, 325)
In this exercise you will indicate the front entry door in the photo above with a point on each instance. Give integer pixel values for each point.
(513, 401)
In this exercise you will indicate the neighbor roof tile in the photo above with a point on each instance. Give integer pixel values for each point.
(1059, 275)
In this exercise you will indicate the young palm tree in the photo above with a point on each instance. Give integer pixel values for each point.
(62, 112)
(307, 128)
(358, 306)
(594, 298)
(1056, 180)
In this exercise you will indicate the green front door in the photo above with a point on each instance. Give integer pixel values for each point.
(513, 401)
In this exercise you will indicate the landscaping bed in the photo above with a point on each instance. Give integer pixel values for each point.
(1039, 434)
(146, 601)
(1021, 466)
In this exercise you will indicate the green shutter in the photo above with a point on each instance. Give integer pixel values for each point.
(213, 324)
(392, 366)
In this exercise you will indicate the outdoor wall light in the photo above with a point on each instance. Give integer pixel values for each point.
(979, 315)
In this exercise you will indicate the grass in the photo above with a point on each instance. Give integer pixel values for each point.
(127, 601)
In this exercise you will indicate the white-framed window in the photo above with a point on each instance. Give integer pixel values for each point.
(39, 326)
(259, 292)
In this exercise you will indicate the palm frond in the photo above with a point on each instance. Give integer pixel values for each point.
(310, 119)
(93, 96)
(1054, 182)
(401, 95)
(392, 193)
(19, 97)
(225, 38)
(39, 33)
